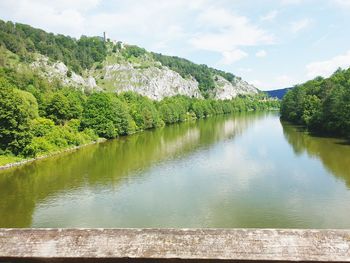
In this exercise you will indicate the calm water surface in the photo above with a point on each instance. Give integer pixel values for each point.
(236, 171)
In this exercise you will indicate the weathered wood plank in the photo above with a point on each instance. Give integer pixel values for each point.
(185, 244)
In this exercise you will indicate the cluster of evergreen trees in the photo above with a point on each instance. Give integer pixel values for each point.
(23, 40)
(38, 117)
(322, 105)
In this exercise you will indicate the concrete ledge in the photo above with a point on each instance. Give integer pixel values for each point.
(159, 245)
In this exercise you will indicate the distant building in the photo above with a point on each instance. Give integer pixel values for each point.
(104, 37)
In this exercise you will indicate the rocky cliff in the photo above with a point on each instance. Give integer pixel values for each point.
(226, 90)
(143, 75)
(153, 82)
(59, 71)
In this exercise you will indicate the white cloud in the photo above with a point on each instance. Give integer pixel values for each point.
(62, 16)
(228, 31)
(290, 2)
(284, 81)
(174, 32)
(269, 16)
(225, 32)
(299, 25)
(328, 67)
(57, 6)
(123, 19)
(230, 57)
(278, 82)
(256, 83)
(342, 3)
(82, 5)
(261, 53)
(245, 70)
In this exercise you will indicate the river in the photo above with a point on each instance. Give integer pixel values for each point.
(248, 170)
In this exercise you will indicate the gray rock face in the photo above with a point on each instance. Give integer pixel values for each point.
(226, 90)
(91, 82)
(59, 70)
(153, 82)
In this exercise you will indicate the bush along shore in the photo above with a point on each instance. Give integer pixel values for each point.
(39, 118)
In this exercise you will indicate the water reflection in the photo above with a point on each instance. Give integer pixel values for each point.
(105, 166)
(234, 171)
(333, 153)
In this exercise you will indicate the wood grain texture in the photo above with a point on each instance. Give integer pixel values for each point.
(185, 244)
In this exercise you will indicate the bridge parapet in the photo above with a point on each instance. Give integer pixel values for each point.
(164, 245)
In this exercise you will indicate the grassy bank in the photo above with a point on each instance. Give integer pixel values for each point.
(5, 160)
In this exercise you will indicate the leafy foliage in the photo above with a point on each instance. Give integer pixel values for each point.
(322, 105)
(107, 116)
(64, 105)
(25, 130)
(17, 109)
(77, 54)
(133, 51)
(143, 111)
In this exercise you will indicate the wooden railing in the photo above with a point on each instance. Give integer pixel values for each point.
(186, 245)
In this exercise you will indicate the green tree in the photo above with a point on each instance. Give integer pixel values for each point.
(311, 109)
(17, 109)
(58, 108)
(323, 105)
(142, 110)
(40, 127)
(107, 116)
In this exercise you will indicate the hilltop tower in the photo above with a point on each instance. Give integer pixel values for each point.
(104, 37)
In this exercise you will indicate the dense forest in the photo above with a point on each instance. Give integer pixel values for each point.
(23, 40)
(322, 105)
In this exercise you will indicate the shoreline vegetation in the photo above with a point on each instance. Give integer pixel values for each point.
(102, 116)
(321, 105)
(8, 162)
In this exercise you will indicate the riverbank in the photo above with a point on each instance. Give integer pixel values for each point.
(7, 162)
(14, 161)
(49, 138)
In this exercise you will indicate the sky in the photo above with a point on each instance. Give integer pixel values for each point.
(269, 43)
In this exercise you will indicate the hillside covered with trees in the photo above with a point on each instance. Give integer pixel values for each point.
(24, 40)
(92, 57)
(322, 105)
(278, 93)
